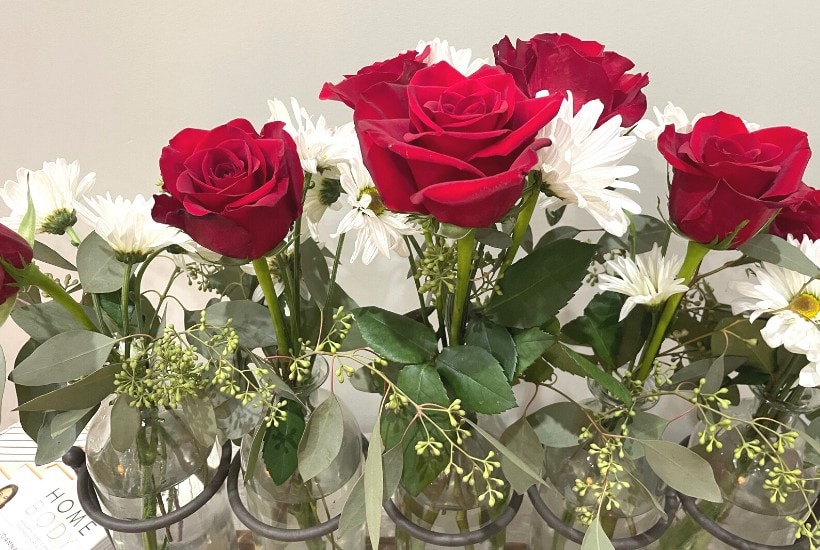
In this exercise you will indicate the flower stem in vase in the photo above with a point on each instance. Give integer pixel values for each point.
(147, 452)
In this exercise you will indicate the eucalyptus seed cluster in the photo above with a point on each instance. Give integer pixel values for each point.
(811, 531)
(162, 374)
(437, 269)
(606, 486)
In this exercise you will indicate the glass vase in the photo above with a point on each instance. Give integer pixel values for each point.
(163, 470)
(450, 505)
(747, 510)
(638, 499)
(297, 504)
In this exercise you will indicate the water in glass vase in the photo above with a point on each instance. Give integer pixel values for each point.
(164, 470)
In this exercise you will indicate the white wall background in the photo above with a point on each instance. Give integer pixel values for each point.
(109, 83)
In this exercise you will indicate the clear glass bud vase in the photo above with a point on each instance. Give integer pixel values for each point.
(751, 509)
(576, 475)
(452, 505)
(299, 504)
(163, 470)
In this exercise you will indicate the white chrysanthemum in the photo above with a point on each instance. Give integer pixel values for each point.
(810, 374)
(581, 165)
(378, 230)
(55, 191)
(460, 60)
(321, 149)
(649, 280)
(650, 130)
(790, 300)
(127, 226)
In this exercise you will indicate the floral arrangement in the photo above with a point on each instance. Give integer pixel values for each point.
(452, 163)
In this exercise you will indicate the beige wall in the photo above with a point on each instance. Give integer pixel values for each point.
(109, 82)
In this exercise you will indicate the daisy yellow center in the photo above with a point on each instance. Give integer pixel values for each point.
(806, 305)
(376, 204)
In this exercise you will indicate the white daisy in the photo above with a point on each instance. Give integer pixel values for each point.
(789, 299)
(810, 374)
(460, 60)
(127, 226)
(321, 149)
(649, 130)
(378, 230)
(581, 165)
(55, 191)
(649, 280)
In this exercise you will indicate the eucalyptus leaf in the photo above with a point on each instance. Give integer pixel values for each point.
(451, 231)
(595, 538)
(530, 345)
(559, 424)
(523, 466)
(322, 440)
(392, 465)
(682, 469)
(353, 512)
(315, 275)
(63, 421)
(714, 376)
(47, 320)
(811, 436)
(395, 337)
(234, 420)
(374, 486)
(537, 286)
(45, 253)
(251, 321)
(201, 418)
(774, 250)
(64, 357)
(606, 380)
(644, 425)
(477, 378)
(495, 339)
(98, 268)
(522, 440)
(739, 337)
(125, 423)
(422, 384)
(51, 448)
(493, 237)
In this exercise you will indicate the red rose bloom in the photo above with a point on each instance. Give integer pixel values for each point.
(724, 175)
(16, 251)
(561, 62)
(232, 190)
(450, 145)
(397, 70)
(801, 218)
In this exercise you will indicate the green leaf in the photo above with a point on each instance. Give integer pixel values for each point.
(522, 441)
(374, 486)
(395, 337)
(98, 269)
(315, 274)
(85, 393)
(644, 232)
(47, 320)
(811, 436)
(392, 465)
(353, 512)
(559, 424)
(556, 234)
(595, 538)
(698, 369)
(45, 253)
(477, 379)
(418, 471)
(714, 376)
(282, 387)
(682, 469)
(512, 458)
(537, 286)
(322, 439)
(51, 448)
(606, 380)
(250, 320)
(774, 250)
(201, 418)
(65, 420)
(125, 423)
(493, 237)
(65, 357)
(599, 327)
(422, 384)
(530, 345)
(281, 444)
(234, 420)
(741, 338)
(495, 339)
(643, 425)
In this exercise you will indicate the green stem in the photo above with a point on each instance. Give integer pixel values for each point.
(260, 267)
(32, 275)
(695, 253)
(414, 272)
(331, 286)
(126, 282)
(466, 247)
(520, 230)
(75, 239)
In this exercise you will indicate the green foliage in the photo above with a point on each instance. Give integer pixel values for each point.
(682, 469)
(644, 232)
(558, 424)
(395, 337)
(595, 538)
(476, 378)
(606, 380)
(374, 486)
(495, 339)
(125, 423)
(422, 384)
(281, 444)
(322, 439)
(774, 250)
(98, 268)
(64, 357)
(530, 345)
(46, 320)
(522, 441)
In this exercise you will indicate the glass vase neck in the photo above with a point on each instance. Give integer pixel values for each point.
(318, 374)
(641, 402)
(797, 401)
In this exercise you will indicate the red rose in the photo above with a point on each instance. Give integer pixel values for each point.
(561, 62)
(450, 145)
(724, 175)
(398, 70)
(16, 251)
(232, 190)
(801, 218)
